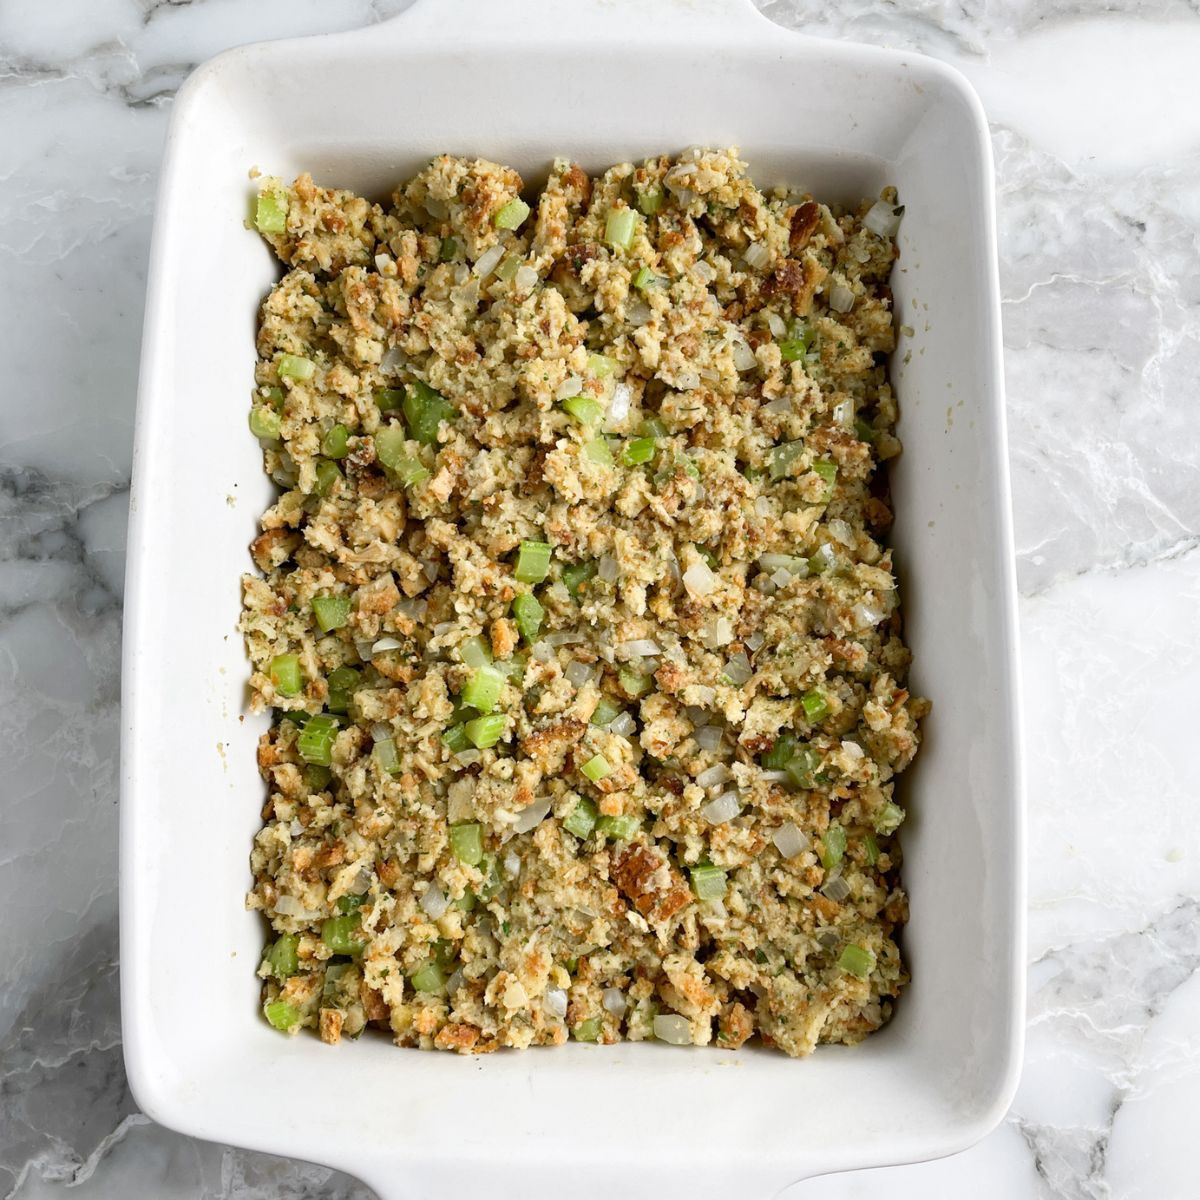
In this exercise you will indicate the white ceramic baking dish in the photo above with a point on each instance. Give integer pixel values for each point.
(601, 80)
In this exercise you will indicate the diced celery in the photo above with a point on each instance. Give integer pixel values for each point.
(528, 612)
(466, 843)
(856, 961)
(822, 559)
(618, 829)
(281, 1015)
(645, 279)
(833, 846)
(264, 423)
(600, 365)
(889, 819)
(315, 742)
(781, 459)
(455, 738)
(583, 409)
(341, 683)
(589, 1030)
(327, 476)
(295, 367)
(281, 956)
(410, 471)
(331, 612)
(598, 451)
(425, 410)
(652, 427)
(429, 978)
(828, 472)
(596, 768)
(650, 199)
(620, 227)
(509, 266)
(384, 753)
(605, 711)
(351, 902)
(284, 672)
(486, 731)
(475, 651)
(389, 399)
(316, 778)
(270, 212)
(343, 935)
(533, 562)
(639, 451)
(871, 847)
(802, 767)
(709, 882)
(816, 707)
(581, 820)
(336, 443)
(575, 574)
(511, 215)
(634, 683)
(389, 445)
(795, 347)
(448, 249)
(863, 431)
(780, 754)
(482, 690)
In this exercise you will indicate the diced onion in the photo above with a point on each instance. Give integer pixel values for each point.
(393, 360)
(363, 648)
(709, 737)
(468, 757)
(673, 1029)
(577, 673)
(384, 644)
(638, 648)
(564, 637)
(488, 261)
(843, 413)
(443, 627)
(866, 616)
(777, 325)
(842, 532)
(703, 694)
(554, 1001)
(454, 982)
(836, 889)
(618, 406)
(779, 407)
(512, 864)
(379, 731)
(704, 271)
(614, 1001)
(571, 386)
(773, 776)
(688, 381)
(841, 298)
(699, 578)
(525, 278)
(853, 750)
(724, 808)
(414, 609)
(290, 906)
(789, 840)
(756, 255)
(533, 815)
(882, 219)
(437, 208)
(622, 724)
(743, 356)
(755, 641)
(434, 902)
(781, 578)
(717, 632)
(607, 569)
(738, 669)
(638, 312)
(713, 776)
(762, 506)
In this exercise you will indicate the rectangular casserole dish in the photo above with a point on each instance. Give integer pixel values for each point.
(612, 80)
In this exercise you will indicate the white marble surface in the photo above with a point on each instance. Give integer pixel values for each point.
(1095, 111)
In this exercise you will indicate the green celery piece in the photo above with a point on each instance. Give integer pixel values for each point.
(448, 249)
(511, 215)
(295, 367)
(588, 1031)
(487, 730)
(620, 228)
(316, 778)
(857, 961)
(351, 902)
(802, 767)
(528, 612)
(341, 684)
(596, 768)
(584, 409)
(781, 459)
(871, 847)
(281, 1015)
(815, 705)
(650, 199)
(455, 738)
(889, 819)
(425, 410)
(429, 978)
(639, 451)
(600, 365)
(281, 956)
(780, 754)
(833, 846)
(466, 843)
(315, 742)
(265, 423)
(389, 399)
(618, 829)
(336, 443)
(533, 561)
(343, 935)
(271, 212)
(709, 882)
(482, 690)
(575, 574)
(284, 673)
(598, 451)
(331, 612)
(606, 711)
(652, 427)
(389, 445)
(327, 476)
(828, 472)
(582, 819)
(634, 683)
(385, 754)
(475, 651)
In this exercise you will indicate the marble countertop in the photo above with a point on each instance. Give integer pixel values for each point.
(1095, 117)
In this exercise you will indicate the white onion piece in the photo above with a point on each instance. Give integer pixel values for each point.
(704, 694)
(709, 737)
(704, 271)
(434, 902)
(461, 274)
(554, 1001)
(762, 506)
(564, 637)
(717, 632)
(437, 208)
(488, 261)
(577, 673)
(290, 906)
(622, 724)
(614, 1001)
(743, 356)
(836, 889)
(867, 616)
(443, 627)
(414, 609)
(755, 641)
(673, 1029)
(738, 669)
(688, 381)
(773, 776)
(542, 651)
(296, 828)
(882, 219)
(363, 648)
(853, 750)
(841, 298)
(468, 757)
(842, 532)
(379, 731)
(382, 262)
(571, 386)
(699, 578)
(713, 776)
(843, 413)
(512, 864)
(777, 325)
(525, 278)
(824, 554)
(607, 569)
(789, 840)
(532, 815)
(781, 578)
(756, 255)
(618, 407)
(779, 407)
(709, 375)
(454, 982)
(393, 360)
(724, 808)
(384, 644)
(638, 648)
(638, 312)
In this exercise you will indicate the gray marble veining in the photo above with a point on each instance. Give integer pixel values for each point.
(1095, 110)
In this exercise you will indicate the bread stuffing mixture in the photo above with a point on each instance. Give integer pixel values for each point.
(573, 611)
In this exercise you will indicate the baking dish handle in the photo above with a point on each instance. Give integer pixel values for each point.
(484, 21)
